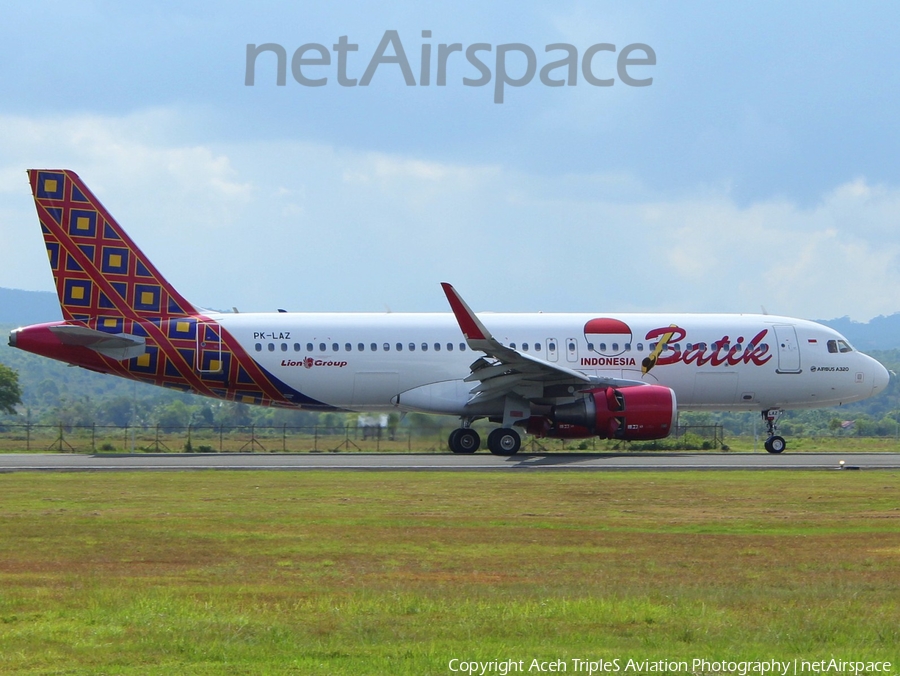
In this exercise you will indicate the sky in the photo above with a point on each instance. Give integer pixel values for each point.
(757, 170)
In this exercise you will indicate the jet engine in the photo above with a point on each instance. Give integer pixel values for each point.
(636, 413)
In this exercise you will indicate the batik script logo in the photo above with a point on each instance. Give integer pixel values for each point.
(719, 352)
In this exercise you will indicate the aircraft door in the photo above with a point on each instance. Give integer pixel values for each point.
(209, 348)
(552, 349)
(788, 348)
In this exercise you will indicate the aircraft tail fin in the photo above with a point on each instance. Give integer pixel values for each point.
(102, 278)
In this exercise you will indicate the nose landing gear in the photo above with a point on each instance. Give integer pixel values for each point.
(775, 443)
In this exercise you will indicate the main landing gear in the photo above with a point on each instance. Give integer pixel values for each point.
(775, 443)
(464, 440)
(502, 441)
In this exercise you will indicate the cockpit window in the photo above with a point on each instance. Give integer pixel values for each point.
(835, 346)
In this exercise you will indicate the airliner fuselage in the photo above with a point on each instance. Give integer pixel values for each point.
(420, 361)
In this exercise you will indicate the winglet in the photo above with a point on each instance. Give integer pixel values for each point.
(471, 327)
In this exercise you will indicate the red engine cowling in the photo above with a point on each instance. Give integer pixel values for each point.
(632, 413)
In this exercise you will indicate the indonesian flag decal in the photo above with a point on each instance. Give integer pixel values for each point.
(608, 336)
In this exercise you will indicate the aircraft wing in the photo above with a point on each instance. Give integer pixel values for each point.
(119, 346)
(508, 371)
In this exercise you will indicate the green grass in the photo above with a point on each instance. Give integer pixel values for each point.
(370, 573)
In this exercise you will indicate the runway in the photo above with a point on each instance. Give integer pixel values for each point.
(64, 462)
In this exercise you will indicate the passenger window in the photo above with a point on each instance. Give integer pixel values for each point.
(412, 347)
(571, 347)
(537, 346)
(399, 347)
(462, 347)
(284, 347)
(271, 347)
(386, 347)
(361, 347)
(512, 345)
(335, 347)
(296, 347)
(603, 347)
(590, 346)
(449, 347)
(525, 346)
(309, 347)
(424, 347)
(437, 347)
(640, 347)
(321, 347)
(551, 346)
(628, 347)
(259, 347)
(348, 347)
(374, 347)
(615, 347)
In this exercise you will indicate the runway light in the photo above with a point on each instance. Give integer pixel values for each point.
(841, 463)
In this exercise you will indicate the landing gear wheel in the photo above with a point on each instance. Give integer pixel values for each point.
(504, 441)
(464, 440)
(451, 440)
(775, 444)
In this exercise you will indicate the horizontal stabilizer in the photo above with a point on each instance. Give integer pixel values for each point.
(118, 346)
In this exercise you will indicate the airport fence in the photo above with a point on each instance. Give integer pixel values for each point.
(33, 437)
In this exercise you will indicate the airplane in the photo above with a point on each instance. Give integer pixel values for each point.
(607, 375)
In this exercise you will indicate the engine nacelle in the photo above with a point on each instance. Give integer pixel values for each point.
(636, 413)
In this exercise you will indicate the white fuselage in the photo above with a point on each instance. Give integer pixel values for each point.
(419, 361)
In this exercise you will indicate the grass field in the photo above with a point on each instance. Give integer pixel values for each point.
(398, 573)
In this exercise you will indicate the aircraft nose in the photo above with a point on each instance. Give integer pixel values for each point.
(880, 377)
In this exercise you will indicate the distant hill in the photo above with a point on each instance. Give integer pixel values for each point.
(20, 308)
(879, 333)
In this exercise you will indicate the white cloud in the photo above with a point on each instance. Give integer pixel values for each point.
(312, 227)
